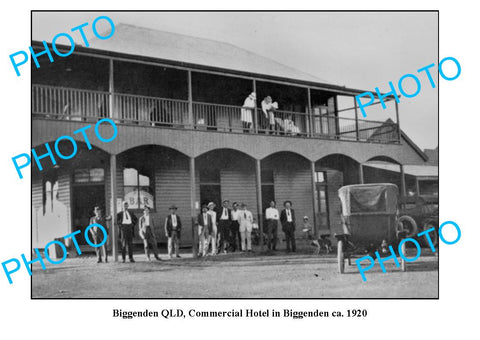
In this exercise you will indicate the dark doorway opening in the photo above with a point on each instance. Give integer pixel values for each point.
(210, 193)
(268, 189)
(84, 198)
(268, 195)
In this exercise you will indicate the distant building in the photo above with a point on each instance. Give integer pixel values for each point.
(420, 180)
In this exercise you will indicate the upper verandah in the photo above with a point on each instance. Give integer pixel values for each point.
(174, 80)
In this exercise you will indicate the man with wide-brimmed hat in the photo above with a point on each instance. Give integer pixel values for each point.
(224, 222)
(205, 229)
(126, 221)
(287, 218)
(173, 228)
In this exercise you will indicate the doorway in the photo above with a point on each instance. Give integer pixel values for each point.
(84, 198)
(268, 189)
(210, 193)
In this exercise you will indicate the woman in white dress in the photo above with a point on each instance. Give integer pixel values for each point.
(247, 110)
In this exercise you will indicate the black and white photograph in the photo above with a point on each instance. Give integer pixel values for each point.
(241, 163)
(239, 169)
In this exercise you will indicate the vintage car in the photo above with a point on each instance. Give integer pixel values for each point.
(424, 212)
(370, 222)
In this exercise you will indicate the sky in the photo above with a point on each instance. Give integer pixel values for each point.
(361, 50)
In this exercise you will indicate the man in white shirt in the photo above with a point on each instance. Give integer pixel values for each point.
(245, 219)
(234, 227)
(213, 237)
(272, 216)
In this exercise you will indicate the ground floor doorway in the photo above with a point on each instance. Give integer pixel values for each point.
(210, 193)
(84, 198)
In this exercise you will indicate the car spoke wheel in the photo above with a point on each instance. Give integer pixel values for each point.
(409, 225)
(433, 235)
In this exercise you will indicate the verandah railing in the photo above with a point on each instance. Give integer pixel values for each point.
(75, 104)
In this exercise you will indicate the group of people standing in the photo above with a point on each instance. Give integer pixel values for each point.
(146, 226)
(219, 230)
(126, 222)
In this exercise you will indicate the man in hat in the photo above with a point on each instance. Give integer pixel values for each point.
(146, 227)
(97, 234)
(173, 227)
(224, 222)
(245, 219)
(247, 111)
(126, 221)
(234, 227)
(287, 218)
(213, 236)
(272, 216)
(205, 229)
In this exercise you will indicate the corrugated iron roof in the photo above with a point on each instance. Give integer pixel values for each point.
(134, 40)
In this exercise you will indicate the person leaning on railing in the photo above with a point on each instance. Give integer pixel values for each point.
(267, 121)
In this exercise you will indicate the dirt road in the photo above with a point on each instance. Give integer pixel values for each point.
(277, 275)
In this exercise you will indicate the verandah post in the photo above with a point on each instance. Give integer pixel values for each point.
(113, 195)
(314, 192)
(357, 134)
(255, 111)
(258, 171)
(192, 206)
(190, 101)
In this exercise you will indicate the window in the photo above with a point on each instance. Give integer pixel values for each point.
(322, 206)
(428, 187)
(320, 177)
(321, 200)
(50, 194)
(93, 175)
(138, 189)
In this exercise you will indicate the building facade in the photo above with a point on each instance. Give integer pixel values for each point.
(177, 104)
